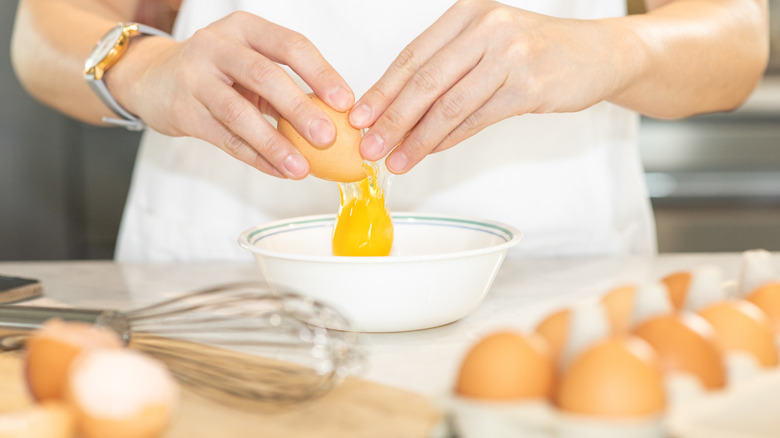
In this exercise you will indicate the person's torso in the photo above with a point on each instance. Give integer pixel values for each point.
(571, 182)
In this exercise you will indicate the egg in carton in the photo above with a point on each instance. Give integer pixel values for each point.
(503, 388)
(597, 385)
(743, 330)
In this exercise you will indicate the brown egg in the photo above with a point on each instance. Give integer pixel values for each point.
(619, 306)
(507, 365)
(677, 284)
(340, 161)
(555, 329)
(767, 298)
(685, 342)
(617, 377)
(741, 326)
(46, 420)
(51, 349)
(121, 393)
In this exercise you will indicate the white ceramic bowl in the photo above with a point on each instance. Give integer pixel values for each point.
(439, 269)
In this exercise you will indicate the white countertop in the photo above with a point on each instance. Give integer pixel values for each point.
(424, 361)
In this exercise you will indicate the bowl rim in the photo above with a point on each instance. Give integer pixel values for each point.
(512, 232)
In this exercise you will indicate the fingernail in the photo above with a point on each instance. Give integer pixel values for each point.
(397, 162)
(372, 146)
(341, 97)
(360, 115)
(295, 165)
(322, 132)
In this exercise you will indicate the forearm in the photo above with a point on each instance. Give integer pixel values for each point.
(691, 56)
(51, 41)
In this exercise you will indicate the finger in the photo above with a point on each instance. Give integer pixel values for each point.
(257, 101)
(493, 111)
(245, 126)
(267, 79)
(431, 81)
(215, 133)
(291, 48)
(379, 97)
(446, 114)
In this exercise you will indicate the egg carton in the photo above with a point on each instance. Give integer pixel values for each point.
(747, 408)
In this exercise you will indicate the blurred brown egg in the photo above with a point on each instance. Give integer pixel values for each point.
(767, 298)
(507, 365)
(121, 393)
(49, 419)
(685, 342)
(617, 377)
(677, 285)
(50, 350)
(741, 326)
(619, 306)
(341, 161)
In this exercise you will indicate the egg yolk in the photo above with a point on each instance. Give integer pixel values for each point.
(363, 226)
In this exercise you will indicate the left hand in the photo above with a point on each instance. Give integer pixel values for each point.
(482, 62)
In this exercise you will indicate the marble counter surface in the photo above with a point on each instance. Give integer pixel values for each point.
(424, 361)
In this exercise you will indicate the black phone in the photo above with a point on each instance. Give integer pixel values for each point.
(13, 289)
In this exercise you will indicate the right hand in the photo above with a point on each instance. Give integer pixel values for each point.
(217, 85)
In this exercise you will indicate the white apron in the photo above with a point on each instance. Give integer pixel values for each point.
(572, 183)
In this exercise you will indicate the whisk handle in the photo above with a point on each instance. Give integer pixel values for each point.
(21, 320)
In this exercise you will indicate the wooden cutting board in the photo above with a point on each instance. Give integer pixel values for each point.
(356, 408)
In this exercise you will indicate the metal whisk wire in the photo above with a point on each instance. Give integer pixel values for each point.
(238, 342)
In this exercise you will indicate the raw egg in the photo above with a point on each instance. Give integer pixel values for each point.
(363, 224)
(616, 377)
(120, 393)
(741, 326)
(341, 161)
(49, 419)
(506, 366)
(51, 349)
(685, 342)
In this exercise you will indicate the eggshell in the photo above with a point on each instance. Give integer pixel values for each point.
(688, 343)
(121, 394)
(50, 350)
(677, 284)
(507, 365)
(341, 161)
(615, 378)
(742, 326)
(49, 419)
(767, 298)
(555, 329)
(619, 305)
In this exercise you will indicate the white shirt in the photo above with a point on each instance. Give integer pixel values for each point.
(572, 183)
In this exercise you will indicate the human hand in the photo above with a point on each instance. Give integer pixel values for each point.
(482, 62)
(217, 85)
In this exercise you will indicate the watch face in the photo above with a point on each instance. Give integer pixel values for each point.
(103, 47)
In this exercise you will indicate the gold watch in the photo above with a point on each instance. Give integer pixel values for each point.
(106, 53)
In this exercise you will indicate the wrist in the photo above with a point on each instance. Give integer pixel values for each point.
(125, 79)
(632, 54)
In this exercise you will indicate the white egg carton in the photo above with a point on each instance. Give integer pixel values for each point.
(749, 409)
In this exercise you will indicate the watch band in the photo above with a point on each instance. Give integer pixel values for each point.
(104, 57)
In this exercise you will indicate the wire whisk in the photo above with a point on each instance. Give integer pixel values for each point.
(236, 342)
